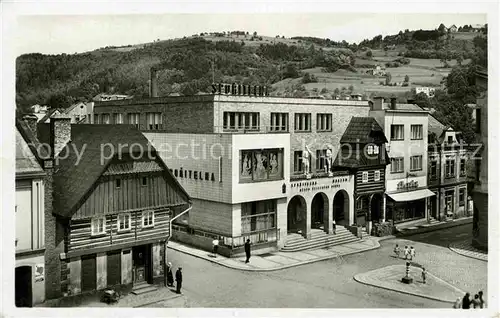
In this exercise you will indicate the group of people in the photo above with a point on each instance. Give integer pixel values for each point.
(476, 303)
(409, 253)
(178, 277)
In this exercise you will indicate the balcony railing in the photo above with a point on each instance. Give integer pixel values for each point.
(256, 237)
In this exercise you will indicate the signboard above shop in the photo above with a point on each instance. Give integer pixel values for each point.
(240, 90)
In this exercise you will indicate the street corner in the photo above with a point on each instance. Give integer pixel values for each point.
(390, 277)
(465, 248)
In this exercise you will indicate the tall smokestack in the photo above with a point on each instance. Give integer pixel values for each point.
(153, 84)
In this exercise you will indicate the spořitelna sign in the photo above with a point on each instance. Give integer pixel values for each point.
(238, 89)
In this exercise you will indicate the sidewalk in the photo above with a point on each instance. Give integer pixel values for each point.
(423, 226)
(389, 277)
(281, 260)
(465, 248)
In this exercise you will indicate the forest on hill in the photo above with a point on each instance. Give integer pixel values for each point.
(191, 64)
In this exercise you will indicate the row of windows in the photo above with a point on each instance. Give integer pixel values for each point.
(118, 182)
(397, 164)
(279, 121)
(449, 168)
(398, 132)
(154, 120)
(123, 222)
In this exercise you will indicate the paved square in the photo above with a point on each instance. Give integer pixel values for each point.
(389, 277)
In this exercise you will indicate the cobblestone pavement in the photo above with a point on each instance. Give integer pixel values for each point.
(330, 283)
(465, 248)
(389, 277)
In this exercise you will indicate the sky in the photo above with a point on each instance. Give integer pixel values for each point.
(54, 34)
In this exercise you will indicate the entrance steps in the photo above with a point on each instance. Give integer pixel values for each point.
(319, 239)
(142, 288)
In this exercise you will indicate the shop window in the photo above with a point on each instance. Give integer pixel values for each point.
(258, 216)
(98, 225)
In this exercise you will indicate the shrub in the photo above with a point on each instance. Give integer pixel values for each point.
(383, 229)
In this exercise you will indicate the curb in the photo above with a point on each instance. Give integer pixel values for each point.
(377, 245)
(435, 228)
(409, 293)
(465, 254)
(157, 301)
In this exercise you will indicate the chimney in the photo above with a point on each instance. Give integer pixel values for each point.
(378, 103)
(393, 103)
(60, 133)
(31, 121)
(153, 88)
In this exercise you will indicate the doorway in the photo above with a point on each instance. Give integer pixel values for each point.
(141, 263)
(23, 287)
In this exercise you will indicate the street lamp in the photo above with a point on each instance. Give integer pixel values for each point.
(407, 279)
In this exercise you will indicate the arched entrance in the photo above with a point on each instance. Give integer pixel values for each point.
(319, 211)
(376, 207)
(296, 214)
(341, 208)
(23, 287)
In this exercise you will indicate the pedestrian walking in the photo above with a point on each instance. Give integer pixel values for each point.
(457, 304)
(481, 300)
(247, 250)
(406, 252)
(334, 227)
(170, 275)
(475, 302)
(412, 253)
(424, 274)
(397, 250)
(178, 279)
(466, 301)
(215, 244)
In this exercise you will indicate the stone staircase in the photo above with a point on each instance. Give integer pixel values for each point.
(319, 239)
(142, 288)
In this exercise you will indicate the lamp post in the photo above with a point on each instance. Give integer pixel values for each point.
(407, 279)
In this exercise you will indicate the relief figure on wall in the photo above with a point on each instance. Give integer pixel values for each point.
(260, 165)
(246, 169)
(273, 164)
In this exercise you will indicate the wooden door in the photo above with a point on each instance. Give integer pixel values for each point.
(114, 268)
(89, 276)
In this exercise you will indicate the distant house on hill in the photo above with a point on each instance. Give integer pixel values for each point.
(377, 71)
(453, 29)
(429, 91)
(105, 97)
(476, 28)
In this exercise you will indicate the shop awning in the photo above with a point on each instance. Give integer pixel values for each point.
(411, 195)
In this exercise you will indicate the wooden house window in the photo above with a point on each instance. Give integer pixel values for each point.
(376, 175)
(144, 181)
(118, 183)
(148, 219)
(98, 226)
(365, 176)
(124, 222)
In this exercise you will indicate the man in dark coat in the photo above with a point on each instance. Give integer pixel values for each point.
(170, 275)
(247, 250)
(178, 279)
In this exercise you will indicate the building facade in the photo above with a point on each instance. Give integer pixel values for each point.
(447, 173)
(112, 204)
(257, 167)
(30, 225)
(480, 191)
(406, 125)
(363, 153)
